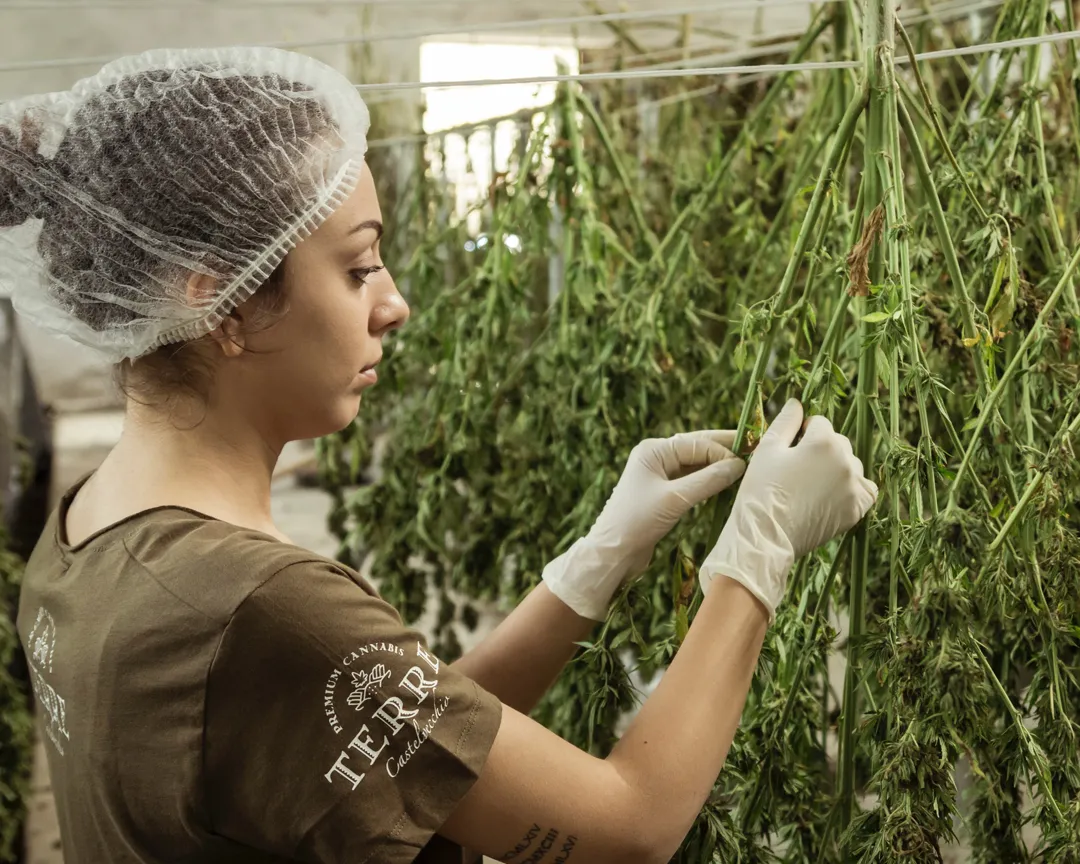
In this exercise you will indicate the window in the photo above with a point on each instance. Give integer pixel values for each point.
(470, 163)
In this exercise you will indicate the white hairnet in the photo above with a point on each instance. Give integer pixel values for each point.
(164, 165)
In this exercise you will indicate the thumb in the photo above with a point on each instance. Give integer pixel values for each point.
(785, 428)
(712, 480)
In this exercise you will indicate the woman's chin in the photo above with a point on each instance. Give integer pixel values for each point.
(341, 417)
(350, 410)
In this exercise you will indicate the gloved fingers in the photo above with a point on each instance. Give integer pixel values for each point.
(868, 490)
(784, 428)
(819, 427)
(723, 437)
(857, 467)
(859, 471)
(688, 451)
(712, 480)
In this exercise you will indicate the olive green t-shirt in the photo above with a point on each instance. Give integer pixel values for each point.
(210, 694)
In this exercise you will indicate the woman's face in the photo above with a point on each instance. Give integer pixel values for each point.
(304, 376)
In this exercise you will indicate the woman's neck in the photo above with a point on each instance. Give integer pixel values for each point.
(217, 464)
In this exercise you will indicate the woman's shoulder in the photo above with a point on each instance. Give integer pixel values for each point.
(216, 566)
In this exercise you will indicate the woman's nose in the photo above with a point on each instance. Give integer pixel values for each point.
(391, 313)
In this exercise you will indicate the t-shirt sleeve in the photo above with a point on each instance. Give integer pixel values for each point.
(332, 733)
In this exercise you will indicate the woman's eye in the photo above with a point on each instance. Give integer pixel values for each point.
(362, 274)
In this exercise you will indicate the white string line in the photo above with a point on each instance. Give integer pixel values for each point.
(717, 6)
(1063, 36)
(942, 14)
(913, 18)
(505, 25)
(196, 5)
(499, 26)
(154, 5)
(699, 54)
(696, 53)
(525, 114)
(633, 74)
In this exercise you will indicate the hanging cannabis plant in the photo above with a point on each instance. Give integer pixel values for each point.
(897, 247)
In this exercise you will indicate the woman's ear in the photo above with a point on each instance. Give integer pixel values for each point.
(230, 334)
(201, 290)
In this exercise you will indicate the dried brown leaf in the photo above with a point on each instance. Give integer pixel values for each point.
(858, 260)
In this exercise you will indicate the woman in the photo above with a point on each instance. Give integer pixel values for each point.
(211, 692)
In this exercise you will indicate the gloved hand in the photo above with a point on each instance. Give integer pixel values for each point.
(662, 480)
(792, 500)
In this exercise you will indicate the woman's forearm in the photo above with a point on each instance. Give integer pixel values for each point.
(676, 746)
(520, 660)
(637, 805)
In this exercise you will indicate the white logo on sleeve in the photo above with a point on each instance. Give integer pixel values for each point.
(42, 648)
(387, 715)
(365, 683)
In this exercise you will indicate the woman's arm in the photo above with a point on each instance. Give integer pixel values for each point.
(524, 655)
(539, 799)
(538, 791)
(662, 480)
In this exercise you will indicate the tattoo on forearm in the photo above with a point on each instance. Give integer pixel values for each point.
(523, 846)
(547, 843)
(541, 851)
(567, 849)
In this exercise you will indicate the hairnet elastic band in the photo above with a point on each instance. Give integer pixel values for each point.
(246, 283)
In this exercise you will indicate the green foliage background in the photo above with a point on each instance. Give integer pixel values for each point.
(710, 266)
(16, 723)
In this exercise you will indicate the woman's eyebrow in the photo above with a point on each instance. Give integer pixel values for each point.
(373, 224)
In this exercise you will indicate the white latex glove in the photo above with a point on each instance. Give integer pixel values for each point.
(792, 500)
(662, 480)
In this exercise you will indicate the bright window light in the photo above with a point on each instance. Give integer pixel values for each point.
(469, 164)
